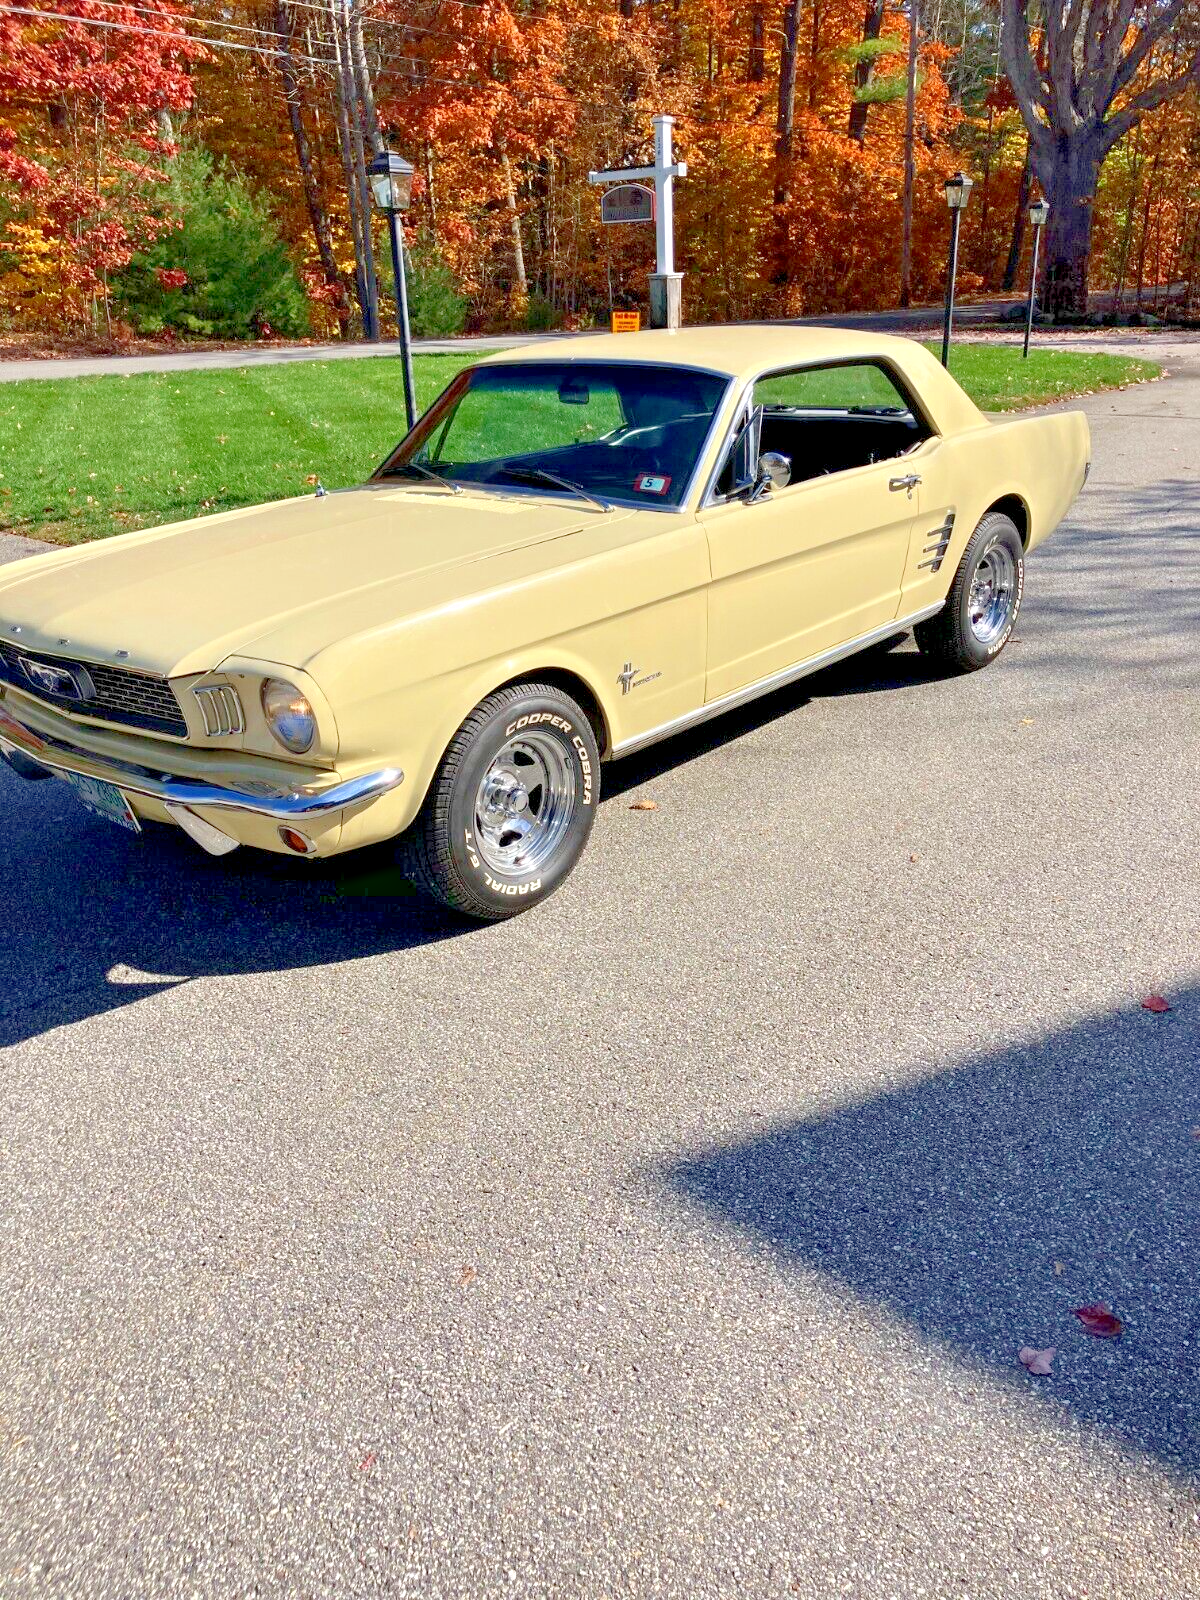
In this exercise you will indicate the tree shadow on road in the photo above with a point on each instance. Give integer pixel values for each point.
(949, 1202)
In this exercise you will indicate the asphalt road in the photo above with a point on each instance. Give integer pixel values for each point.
(679, 1238)
(268, 355)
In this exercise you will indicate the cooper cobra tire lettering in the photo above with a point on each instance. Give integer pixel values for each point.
(442, 851)
(534, 719)
(586, 764)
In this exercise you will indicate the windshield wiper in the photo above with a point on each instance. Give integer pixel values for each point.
(426, 472)
(541, 475)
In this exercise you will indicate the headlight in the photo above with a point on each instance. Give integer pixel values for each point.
(289, 715)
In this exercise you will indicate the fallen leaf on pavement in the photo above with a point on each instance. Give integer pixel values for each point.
(1036, 1362)
(469, 1274)
(367, 1462)
(914, 858)
(1155, 1002)
(1058, 1269)
(644, 805)
(1098, 1320)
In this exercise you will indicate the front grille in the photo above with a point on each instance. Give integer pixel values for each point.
(135, 699)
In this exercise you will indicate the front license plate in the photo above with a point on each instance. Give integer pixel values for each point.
(105, 799)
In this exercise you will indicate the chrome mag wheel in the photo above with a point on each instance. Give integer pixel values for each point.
(524, 804)
(993, 588)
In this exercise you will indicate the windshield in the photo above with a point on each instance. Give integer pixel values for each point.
(611, 430)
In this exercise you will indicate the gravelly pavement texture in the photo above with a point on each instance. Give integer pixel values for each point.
(679, 1238)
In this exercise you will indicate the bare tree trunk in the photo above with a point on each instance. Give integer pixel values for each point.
(756, 65)
(814, 51)
(430, 198)
(1069, 180)
(358, 156)
(1144, 240)
(872, 27)
(786, 119)
(1017, 241)
(1193, 262)
(362, 75)
(344, 96)
(514, 224)
(910, 141)
(317, 214)
(1074, 70)
(351, 190)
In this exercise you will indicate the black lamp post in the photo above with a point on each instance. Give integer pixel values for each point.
(958, 192)
(1039, 213)
(391, 183)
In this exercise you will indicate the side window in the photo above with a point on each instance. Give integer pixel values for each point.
(836, 418)
(852, 387)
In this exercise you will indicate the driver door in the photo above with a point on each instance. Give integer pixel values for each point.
(805, 568)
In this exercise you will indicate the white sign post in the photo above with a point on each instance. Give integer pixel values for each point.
(666, 296)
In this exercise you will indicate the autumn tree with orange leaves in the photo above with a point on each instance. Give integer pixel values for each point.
(791, 115)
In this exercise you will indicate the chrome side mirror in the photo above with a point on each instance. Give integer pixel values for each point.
(774, 472)
(776, 466)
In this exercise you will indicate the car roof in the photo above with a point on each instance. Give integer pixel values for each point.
(745, 350)
(738, 350)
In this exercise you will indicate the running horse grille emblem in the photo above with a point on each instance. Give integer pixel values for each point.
(63, 683)
(626, 676)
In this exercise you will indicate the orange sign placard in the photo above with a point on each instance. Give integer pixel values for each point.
(626, 321)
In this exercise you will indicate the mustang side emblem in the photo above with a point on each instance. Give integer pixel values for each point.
(628, 677)
(65, 683)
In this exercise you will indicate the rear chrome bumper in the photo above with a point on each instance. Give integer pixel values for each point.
(281, 805)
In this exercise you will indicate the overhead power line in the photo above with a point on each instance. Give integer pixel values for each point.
(260, 30)
(32, 15)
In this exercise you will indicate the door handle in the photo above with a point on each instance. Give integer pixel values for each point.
(909, 481)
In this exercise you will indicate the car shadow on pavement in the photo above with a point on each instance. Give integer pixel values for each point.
(876, 671)
(982, 1204)
(95, 920)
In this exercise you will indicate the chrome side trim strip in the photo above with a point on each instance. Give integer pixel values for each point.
(283, 806)
(776, 680)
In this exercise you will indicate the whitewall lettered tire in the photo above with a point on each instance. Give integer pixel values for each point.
(511, 807)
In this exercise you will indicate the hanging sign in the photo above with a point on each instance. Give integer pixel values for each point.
(627, 202)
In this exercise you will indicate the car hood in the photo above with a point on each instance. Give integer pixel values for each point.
(181, 599)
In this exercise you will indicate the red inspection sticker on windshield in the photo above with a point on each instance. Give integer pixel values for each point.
(651, 483)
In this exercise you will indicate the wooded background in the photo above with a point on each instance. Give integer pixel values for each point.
(172, 168)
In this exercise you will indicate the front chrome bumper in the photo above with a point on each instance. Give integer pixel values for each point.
(281, 805)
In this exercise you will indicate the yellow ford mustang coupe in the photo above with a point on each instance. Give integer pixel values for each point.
(581, 548)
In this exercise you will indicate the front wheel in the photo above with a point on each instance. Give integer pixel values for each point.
(981, 609)
(511, 807)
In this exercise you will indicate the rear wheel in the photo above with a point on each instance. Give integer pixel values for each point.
(511, 808)
(981, 609)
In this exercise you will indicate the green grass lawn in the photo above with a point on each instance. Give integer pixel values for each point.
(81, 458)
